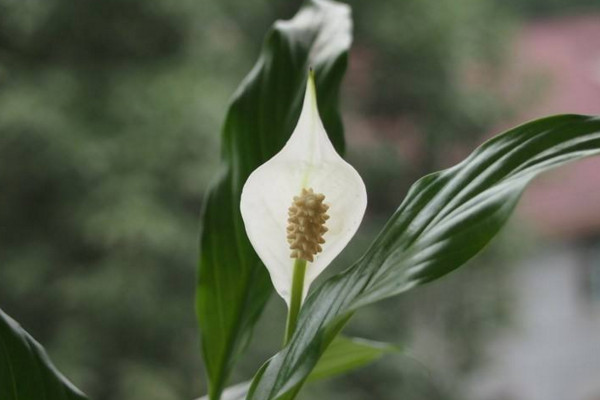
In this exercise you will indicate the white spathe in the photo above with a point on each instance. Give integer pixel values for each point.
(308, 160)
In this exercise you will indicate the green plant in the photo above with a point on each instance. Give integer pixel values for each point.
(446, 218)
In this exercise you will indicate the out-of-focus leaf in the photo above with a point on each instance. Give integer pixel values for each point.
(446, 218)
(233, 285)
(345, 354)
(26, 372)
(236, 392)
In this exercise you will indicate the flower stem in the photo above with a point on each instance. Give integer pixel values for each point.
(296, 298)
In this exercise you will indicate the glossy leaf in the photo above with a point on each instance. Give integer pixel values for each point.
(446, 218)
(26, 372)
(233, 285)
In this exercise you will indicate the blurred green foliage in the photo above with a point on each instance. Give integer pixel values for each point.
(108, 115)
(544, 8)
(109, 120)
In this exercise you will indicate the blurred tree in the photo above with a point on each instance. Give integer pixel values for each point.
(541, 8)
(434, 66)
(109, 113)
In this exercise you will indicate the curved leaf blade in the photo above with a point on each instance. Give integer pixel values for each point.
(26, 372)
(446, 218)
(233, 285)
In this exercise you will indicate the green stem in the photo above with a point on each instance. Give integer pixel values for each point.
(296, 298)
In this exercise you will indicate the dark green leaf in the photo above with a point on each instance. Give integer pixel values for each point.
(26, 372)
(233, 285)
(446, 218)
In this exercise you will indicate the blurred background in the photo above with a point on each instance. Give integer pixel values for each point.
(110, 115)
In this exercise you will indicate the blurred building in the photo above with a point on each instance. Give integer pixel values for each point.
(552, 350)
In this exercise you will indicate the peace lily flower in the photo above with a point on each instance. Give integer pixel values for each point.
(302, 207)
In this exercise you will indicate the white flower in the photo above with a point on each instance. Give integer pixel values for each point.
(330, 202)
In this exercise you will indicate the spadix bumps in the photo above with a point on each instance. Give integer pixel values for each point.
(308, 170)
(307, 216)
